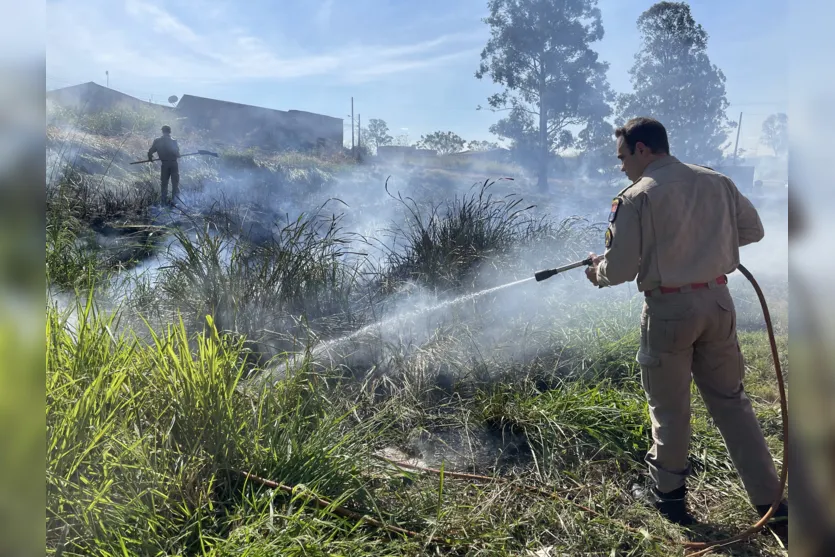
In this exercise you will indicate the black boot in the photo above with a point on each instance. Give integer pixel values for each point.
(672, 504)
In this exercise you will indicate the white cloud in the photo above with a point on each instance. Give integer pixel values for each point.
(147, 42)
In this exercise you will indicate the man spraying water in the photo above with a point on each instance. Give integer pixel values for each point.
(677, 229)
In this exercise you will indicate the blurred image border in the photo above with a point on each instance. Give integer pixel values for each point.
(22, 303)
(811, 458)
(811, 88)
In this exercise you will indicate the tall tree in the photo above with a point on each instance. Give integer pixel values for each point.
(540, 51)
(442, 142)
(377, 133)
(675, 82)
(775, 133)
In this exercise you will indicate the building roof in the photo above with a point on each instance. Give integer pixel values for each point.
(90, 86)
(97, 91)
(94, 88)
(205, 100)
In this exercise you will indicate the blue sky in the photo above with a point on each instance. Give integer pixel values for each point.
(409, 63)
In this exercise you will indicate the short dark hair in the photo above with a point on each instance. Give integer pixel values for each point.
(648, 131)
(166, 129)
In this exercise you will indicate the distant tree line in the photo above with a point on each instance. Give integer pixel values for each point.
(376, 134)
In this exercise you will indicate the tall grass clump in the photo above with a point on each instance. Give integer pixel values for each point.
(145, 440)
(78, 217)
(442, 250)
(95, 199)
(70, 260)
(302, 278)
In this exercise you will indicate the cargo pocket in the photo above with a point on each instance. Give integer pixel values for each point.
(728, 317)
(666, 327)
(647, 362)
(662, 335)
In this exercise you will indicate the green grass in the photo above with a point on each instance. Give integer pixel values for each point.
(144, 439)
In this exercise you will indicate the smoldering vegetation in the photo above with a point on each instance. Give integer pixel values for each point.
(298, 316)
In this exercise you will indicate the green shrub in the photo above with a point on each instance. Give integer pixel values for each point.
(440, 250)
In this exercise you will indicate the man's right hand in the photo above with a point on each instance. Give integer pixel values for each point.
(591, 270)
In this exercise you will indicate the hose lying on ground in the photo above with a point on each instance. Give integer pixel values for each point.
(697, 549)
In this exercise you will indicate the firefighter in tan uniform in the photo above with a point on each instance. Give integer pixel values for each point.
(168, 150)
(677, 230)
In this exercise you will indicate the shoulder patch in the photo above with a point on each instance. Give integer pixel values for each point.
(608, 237)
(615, 206)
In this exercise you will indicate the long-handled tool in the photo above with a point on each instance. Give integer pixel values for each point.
(200, 152)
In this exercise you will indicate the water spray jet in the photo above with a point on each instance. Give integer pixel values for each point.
(323, 350)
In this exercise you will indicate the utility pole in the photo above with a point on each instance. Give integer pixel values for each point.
(359, 134)
(352, 124)
(738, 128)
(107, 73)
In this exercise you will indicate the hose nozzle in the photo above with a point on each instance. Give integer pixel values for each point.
(542, 275)
(548, 273)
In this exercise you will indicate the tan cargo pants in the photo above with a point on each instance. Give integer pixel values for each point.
(695, 333)
(169, 170)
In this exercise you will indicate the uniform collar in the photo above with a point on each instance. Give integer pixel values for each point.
(660, 163)
(652, 167)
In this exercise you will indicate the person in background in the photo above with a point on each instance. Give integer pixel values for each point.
(168, 150)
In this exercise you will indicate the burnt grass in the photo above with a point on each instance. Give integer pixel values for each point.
(539, 388)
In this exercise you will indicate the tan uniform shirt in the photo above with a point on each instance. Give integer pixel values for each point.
(166, 147)
(679, 224)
